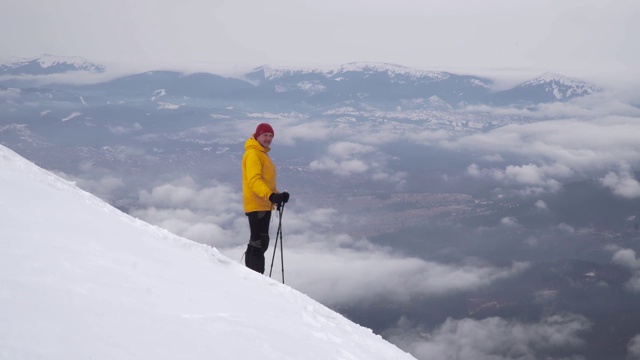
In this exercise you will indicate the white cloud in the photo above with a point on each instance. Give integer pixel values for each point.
(623, 183)
(509, 221)
(346, 158)
(493, 338)
(185, 193)
(375, 274)
(530, 176)
(566, 228)
(633, 348)
(540, 204)
(207, 215)
(342, 168)
(627, 259)
(346, 149)
(550, 152)
(290, 131)
(103, 187)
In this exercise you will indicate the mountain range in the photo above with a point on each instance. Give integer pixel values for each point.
(386, 85)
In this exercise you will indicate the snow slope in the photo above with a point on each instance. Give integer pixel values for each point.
(81, 280)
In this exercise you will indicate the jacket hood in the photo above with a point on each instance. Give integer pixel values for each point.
(252, 143)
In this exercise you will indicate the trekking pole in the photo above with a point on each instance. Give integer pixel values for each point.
(281, 243)
(278, 235)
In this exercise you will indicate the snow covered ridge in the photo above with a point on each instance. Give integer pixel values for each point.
(80, 280)
(79, 63)
(47, 64)
(562, 86)
(272, 73)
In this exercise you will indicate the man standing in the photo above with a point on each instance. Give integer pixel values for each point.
(259, 193)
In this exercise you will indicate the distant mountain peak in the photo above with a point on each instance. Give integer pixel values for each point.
(47, 60)
(562, 87)
(47, 64)
(554, 77)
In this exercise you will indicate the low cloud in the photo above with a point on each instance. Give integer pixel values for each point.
(593, 106)
(554, 337)
(345, 158)
(623, 183)
(103, 187)
(552, 151)
(290, 132)
(338, 269)
(627, 259)
(346, 149)
(344, 167)
(346, 276)
(541, 205)
(509, 221)
(566, 228)
(534, 178)
(185, 193)
(334, 268)
(208, 215)
(633, 348)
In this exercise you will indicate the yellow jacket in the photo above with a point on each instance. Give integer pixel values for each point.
(258, 177)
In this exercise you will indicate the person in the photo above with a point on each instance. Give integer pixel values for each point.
(259, 193)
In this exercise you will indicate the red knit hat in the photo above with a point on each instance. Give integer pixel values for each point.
(263, 128)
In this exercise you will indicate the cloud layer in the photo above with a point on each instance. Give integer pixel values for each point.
(334, 268)
(554, 337)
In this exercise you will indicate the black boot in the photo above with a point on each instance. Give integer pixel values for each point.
(254, 258)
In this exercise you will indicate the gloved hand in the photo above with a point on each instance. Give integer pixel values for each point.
(279, 198)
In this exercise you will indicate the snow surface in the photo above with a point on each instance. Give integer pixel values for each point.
(81, 280)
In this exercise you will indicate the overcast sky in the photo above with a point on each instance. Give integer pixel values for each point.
(569, 36)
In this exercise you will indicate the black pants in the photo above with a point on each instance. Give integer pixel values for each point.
(258, 240)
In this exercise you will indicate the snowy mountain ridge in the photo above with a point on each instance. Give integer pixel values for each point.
(318, 86)
(561, 86)
(81, 64)
(48, 64)
(81, 280)
(272, 73)
(553, 77)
